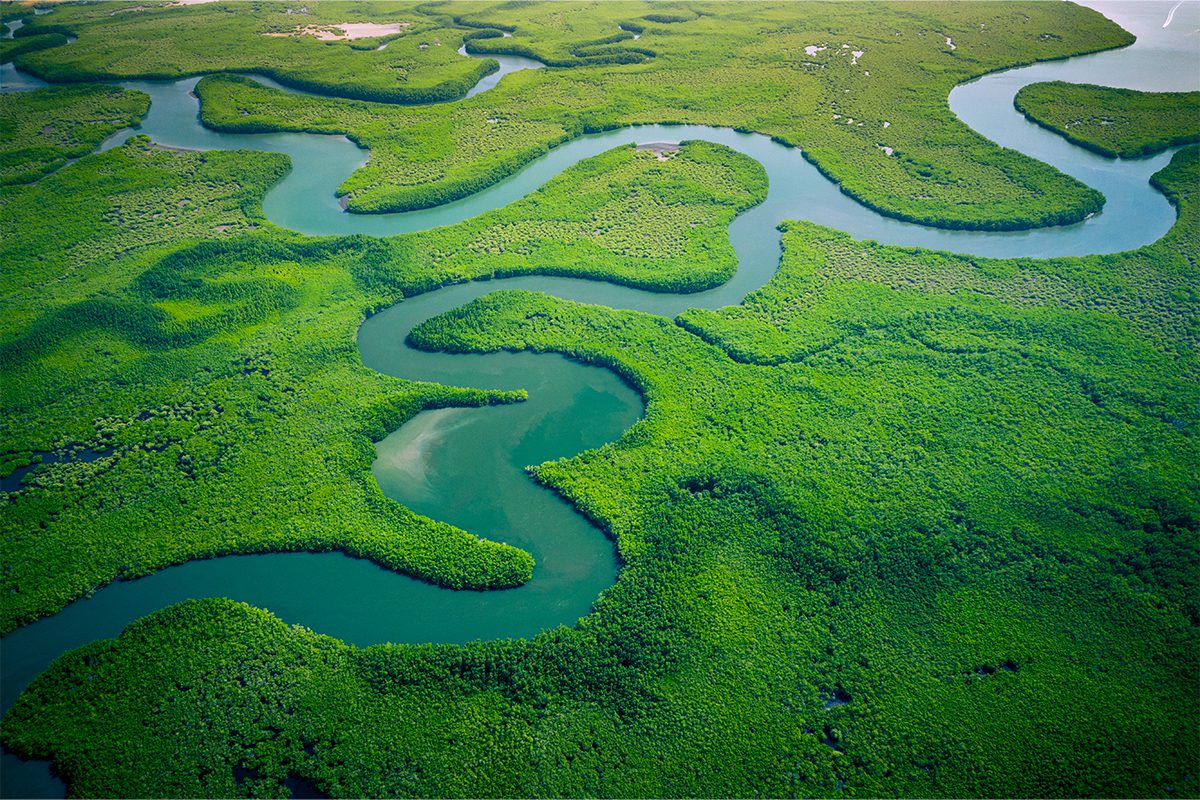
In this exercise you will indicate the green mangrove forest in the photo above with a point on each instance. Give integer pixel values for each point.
(877, 519)
(1113, 122)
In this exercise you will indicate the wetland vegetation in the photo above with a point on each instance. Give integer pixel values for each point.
(746, 68)
(1113, 122)
(903, 522)
(41, 130)
(260, 327)
(163, 42)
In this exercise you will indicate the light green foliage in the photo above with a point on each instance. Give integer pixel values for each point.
(1113, 122)
(561, 35)
(40, 130)
(738, 65)
(211, 358)
(419, 64)
(801, 311)
(624, 216)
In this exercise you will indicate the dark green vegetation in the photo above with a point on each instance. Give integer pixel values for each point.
(973, 520)
(201, 350)
(40, 130)
(1113, 122)
(11, 48)
(734, 65)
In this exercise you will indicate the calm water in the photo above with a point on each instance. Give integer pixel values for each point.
(465, 466)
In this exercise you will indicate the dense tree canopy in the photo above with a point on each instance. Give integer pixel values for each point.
(1113, 122)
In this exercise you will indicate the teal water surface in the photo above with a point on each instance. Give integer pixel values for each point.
(465, 466)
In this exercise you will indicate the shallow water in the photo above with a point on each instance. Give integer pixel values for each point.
(464, 466)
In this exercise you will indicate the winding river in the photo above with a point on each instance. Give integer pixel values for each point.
(437, 462)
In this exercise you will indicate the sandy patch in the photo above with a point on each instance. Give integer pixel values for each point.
(661, 150)
(346, 31)
(407, 453)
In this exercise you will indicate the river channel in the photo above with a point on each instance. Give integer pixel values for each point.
(466, 466)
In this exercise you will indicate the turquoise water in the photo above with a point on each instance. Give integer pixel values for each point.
(465, 466)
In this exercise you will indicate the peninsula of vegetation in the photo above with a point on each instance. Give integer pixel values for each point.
(1113, 122)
